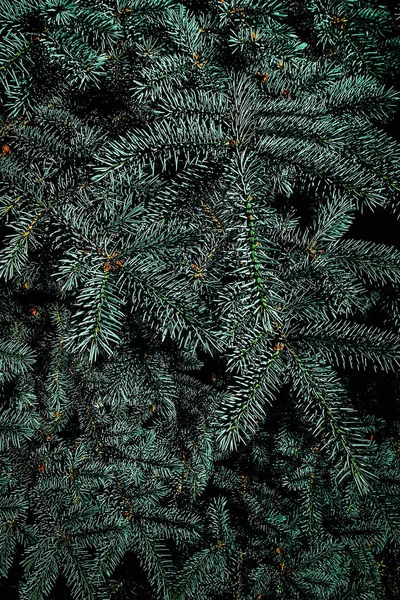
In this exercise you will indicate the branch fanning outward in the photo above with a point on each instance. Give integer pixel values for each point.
(322, 399)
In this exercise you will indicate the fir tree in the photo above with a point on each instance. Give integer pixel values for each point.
(186, 297)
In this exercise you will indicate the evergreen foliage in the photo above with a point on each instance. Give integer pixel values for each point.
(187, 298)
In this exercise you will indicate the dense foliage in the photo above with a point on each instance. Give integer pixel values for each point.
(196, 324)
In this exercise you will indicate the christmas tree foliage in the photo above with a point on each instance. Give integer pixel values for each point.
(195, 328)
